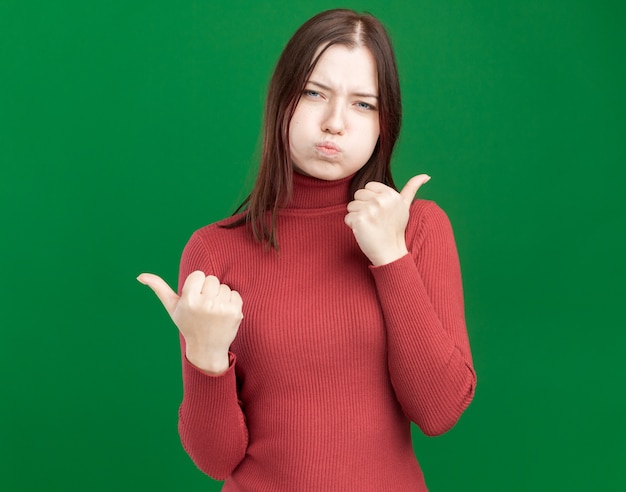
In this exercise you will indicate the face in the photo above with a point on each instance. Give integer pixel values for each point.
(335, 127)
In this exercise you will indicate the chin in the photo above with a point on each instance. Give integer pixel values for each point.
(329, 174)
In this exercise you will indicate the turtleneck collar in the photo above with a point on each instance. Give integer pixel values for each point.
(312, 193)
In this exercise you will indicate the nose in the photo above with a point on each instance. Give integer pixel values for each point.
(334, 119)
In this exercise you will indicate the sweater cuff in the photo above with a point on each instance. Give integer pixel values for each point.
(231, 365)
(388, 273)
(199, 385)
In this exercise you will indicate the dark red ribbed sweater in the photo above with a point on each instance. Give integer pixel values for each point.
(334, 357)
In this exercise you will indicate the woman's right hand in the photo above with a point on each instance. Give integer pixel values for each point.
(207, 314)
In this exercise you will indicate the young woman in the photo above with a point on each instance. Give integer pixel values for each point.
(319, 322)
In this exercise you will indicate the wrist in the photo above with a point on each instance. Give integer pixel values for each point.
(211, 363)
(389, 256)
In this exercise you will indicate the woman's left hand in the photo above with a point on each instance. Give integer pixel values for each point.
(378, 216)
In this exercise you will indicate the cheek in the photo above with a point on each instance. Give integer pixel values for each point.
(374, 135)
(294, 123)
(294, 133)
(370, 127)
(370, 144)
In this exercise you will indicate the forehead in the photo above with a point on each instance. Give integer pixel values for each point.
(343, 66)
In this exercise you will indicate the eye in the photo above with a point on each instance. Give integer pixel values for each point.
(311, 93)
(365, 106)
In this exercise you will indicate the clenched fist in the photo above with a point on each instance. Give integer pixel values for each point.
(378, 217)
(207, 314)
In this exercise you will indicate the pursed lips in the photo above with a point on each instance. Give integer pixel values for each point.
(328, 148)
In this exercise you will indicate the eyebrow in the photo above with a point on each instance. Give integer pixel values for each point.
(327, 88)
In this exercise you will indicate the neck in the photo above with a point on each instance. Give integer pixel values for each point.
(309, 192)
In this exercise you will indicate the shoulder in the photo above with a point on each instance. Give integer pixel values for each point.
(220, 231)
(212, 244)
(426, 211)
(427, 218)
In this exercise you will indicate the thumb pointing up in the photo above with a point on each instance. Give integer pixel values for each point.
(411, 187)
(166, 295)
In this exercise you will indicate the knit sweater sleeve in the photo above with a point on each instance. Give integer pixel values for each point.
(421, 295)
(211, 422)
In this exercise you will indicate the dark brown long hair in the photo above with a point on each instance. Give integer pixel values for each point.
(273, 186)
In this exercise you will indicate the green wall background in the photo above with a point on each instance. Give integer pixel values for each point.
(124, 126)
